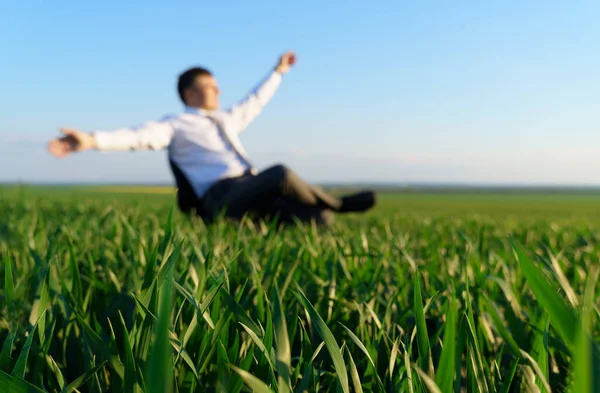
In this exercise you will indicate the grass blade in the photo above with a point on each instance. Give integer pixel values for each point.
(39, 307)
(501, 327)
(562, 316)
(76, 288)
(20, 366)
(422, 334)
(539, 346)
(253, 383)
(330, 342)
(393, 357)
(77, 383)
(57, 373)
(362, 347)
(584, 365)
(429, 383)
(409, 376)
(5, 359)
(129, 384)
(474, 358)
(11, 384)
(444, 377)
(537, 371)
(354, 373)
(259, 344)
(9, 287)
(282, 343)
(240, 314)
(158, 368)
(508, 378)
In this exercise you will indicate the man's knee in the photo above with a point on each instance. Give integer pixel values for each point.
(280, 171)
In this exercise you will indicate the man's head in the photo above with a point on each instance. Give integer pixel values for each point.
(198, 88)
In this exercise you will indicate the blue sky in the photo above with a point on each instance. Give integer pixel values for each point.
(433, 91)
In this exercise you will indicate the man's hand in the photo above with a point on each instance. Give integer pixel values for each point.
(73, 141)
(286, 61)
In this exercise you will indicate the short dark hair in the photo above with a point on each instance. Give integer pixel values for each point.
(187, 78)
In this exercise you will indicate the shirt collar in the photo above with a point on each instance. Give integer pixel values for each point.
(199, 111)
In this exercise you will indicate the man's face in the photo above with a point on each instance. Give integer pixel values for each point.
(205, 93)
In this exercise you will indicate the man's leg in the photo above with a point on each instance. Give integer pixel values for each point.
(259, 191)
(256, 193)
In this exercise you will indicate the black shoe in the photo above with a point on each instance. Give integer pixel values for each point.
(358, 202)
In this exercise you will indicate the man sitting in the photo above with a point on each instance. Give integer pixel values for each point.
(211, 170)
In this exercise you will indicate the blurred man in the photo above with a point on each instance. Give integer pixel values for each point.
(210, 166)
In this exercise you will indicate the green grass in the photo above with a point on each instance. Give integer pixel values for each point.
(115, 291)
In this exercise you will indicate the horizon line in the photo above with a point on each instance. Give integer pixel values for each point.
(379, 184)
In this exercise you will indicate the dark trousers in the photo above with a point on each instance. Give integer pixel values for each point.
(275, 192)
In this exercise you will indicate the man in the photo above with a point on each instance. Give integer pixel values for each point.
(211, 170)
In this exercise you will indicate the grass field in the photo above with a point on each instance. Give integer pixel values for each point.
(104, 291)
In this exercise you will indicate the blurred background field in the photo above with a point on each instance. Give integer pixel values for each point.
(565, 204)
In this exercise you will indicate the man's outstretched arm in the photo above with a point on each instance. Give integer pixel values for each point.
(246, 110)
(150, 136)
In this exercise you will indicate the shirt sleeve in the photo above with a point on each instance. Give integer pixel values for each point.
(155, 135)
(247, 109)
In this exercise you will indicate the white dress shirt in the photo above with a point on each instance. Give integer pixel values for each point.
(194, 141)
